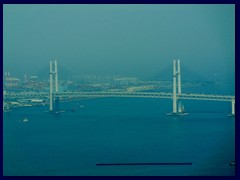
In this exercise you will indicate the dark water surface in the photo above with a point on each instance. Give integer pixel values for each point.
(120, 130)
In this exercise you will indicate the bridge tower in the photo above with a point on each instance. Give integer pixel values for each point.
(179, 78)
(177, 89)
(55, 90)
(233, 108)
(180, 105)
(51, 88)
(174, 88)
(56, 77)
(56, 87)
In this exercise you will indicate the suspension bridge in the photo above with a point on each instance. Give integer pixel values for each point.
(54, 95)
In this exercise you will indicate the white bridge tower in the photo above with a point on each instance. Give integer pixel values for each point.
(177, 89)
(233, 108)
(51, 91)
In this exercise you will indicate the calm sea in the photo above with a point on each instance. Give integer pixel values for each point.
(120, 130)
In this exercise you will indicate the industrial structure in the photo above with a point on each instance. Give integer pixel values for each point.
(10, 81)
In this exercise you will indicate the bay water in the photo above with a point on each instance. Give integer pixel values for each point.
(119, 130)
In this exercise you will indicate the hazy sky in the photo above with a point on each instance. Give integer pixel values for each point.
(135, 40)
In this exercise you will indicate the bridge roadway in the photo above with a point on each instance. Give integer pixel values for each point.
(11, 95)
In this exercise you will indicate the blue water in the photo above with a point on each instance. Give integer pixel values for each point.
(120, 130)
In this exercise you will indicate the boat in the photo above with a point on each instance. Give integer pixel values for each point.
(25, 120)
(58, 112)
(232, 163)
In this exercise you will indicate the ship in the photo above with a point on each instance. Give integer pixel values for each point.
(25, 120)
(232, 163)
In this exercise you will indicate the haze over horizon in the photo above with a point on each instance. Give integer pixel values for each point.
(132, 40)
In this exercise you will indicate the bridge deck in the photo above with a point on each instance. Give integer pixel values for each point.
(119, 94)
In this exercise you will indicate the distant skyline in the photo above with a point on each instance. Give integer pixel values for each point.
(132, 40)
